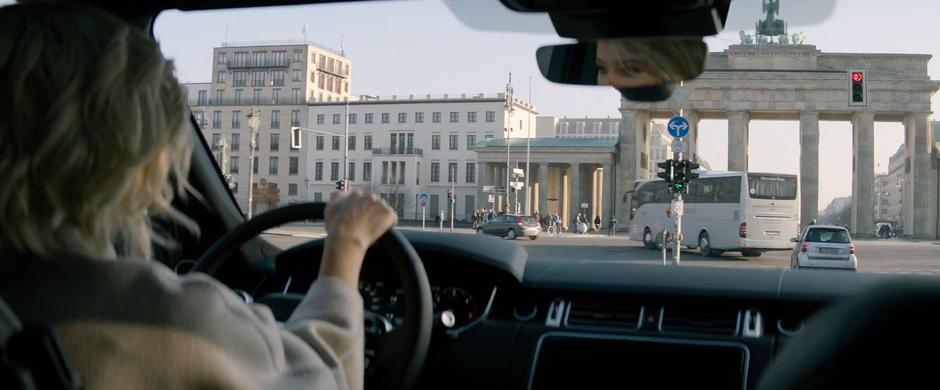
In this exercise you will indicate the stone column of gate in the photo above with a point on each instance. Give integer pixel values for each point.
(543, 188)
(632, 150)
(692, 137)
(738, 124)
(809, 166)
(920, 201)
(863, 174)
(481, 181)
(607, 178)
(574, 175)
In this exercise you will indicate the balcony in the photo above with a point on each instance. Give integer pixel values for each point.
(260, 64)
(398, 152)
(247, 101)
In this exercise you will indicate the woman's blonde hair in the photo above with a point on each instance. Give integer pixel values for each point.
(93, 137)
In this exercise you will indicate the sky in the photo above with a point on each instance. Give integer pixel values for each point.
(420, 47)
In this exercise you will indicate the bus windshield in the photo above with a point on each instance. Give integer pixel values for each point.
(771, 187)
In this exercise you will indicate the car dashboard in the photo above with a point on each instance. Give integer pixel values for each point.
(502, 320)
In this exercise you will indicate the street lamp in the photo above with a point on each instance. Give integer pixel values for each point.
(254, 122)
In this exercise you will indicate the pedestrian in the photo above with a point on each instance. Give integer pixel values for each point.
(612, 226)
(597, 224)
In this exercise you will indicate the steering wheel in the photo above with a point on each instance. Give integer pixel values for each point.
(399, 352)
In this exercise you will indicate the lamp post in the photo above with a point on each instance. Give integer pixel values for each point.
(254, 122)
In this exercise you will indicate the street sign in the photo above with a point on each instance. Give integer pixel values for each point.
(678, 126)
(490, 198)
(678, 146)
(584, 205)
(678, 97)
(678, 207)
(423, 198)
(489, 188)
(518, 172)
(517, 185)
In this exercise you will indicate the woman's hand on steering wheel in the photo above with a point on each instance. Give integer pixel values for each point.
(354, 221)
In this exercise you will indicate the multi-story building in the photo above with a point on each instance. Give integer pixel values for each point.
(402, 145)
(882, 189)
(894, 187)
(277, 80)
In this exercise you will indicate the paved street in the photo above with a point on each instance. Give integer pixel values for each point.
(894, 256)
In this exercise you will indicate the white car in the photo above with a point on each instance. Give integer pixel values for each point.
(822, 246)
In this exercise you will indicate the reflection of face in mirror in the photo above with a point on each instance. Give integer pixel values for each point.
(632, 63)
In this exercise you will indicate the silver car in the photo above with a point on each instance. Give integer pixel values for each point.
(511, 226)
(822, 246)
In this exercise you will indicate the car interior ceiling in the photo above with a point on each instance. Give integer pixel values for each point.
(592, 325)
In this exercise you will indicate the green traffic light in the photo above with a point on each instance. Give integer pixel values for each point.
(678, 186)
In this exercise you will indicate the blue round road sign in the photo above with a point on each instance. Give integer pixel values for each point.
(678, 126)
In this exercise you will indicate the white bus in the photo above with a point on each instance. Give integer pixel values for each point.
(746, 212)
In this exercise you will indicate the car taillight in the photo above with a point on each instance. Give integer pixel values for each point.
(518, 221)
(804, 246)
(742, 230)
(851, 249)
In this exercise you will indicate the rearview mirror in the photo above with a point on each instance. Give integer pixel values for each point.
(642, 69)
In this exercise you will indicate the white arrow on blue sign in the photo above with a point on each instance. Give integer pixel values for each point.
(678, 126)
(423, 198)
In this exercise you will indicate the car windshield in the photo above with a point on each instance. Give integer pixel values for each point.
(829, 236)
(800, 118)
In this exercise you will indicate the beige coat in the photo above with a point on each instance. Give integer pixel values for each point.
(137, 325)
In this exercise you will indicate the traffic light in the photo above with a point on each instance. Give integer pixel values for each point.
(341, 185)
(295, 137)
(678, 172)
(666, 174)
(690, 167)
(858, 87)
(450, 193)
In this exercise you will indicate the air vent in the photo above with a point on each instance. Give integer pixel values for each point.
(604, 315)
(715, 321)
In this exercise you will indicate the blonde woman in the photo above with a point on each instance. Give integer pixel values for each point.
(94, 142)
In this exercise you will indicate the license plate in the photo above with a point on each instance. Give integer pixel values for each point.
(829, 251)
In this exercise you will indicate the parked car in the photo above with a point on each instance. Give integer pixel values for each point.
(511, 226)
(824, 246)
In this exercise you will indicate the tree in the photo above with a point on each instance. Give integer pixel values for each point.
(266, 194)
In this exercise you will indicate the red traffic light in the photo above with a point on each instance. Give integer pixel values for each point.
(857, 76)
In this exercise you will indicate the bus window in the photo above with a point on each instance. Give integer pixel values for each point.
(771, 187)
(728, 189)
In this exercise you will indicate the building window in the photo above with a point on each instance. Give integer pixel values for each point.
(369, 117)
(453, 142)
(241, 77)
(320, 81)
(367, 171)
(272, 166)
(436, 117)
(275, 142)
(233, 164)
(321, 119)
(491, 116)
(260, 57)
(257, 78)
(385, 117)
(402, 117)
(296, 74)
(277, 77)
(335, 142)
(401, 176)
(318, 171)
(488, 136)
(254, 165)
(471, 140)
(280, 58)
(336, 119)
(236, 144)
(334, 170)
(295, 118)
(236, 119)
(222, 59)
(454, 117)
(435, 172)
(435, 141)
(580, 127)
(257, 96)
(319, 142)
(351, 172)
(295, 95)
(292, 189)
(471, 116)
(293, 165)
(276, 96)
(419, 117)
(352, 119)
(367, 142)
(275, 119)
(216, 119)
(241, 58)
(216, 140)
(451, 172)
(471, 172)
(220, 76)
(393, 143)
(352, 142)
(384, 172)
(203, 96)
(411, 143)
(219, 96)
(238, 96)
(317, 196)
